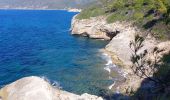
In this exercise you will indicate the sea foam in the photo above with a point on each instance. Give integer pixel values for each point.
(110, 66)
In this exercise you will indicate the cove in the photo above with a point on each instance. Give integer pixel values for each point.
(38, 42)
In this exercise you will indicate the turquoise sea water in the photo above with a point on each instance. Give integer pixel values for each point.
(39, 43)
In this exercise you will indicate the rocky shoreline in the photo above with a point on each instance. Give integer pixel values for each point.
(36, 88)
(120, 34)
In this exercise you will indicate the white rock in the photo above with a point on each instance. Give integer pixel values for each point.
(35, 88)
(93, 28)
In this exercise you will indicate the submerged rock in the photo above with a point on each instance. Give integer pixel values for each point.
(35, 88)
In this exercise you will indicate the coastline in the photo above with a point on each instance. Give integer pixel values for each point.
(116, 73)
(97, 28)
(36, 88)
(114, 60)
(120, 34)
(18, 87)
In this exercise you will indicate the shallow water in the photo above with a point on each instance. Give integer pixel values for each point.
(39, 43)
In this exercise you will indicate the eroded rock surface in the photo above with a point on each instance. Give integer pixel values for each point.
(35, 88)
(93, 28)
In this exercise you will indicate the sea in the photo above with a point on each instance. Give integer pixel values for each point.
(39, 43)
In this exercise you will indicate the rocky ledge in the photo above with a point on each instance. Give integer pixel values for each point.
(35, 88)
(95, 28)
(120, 34)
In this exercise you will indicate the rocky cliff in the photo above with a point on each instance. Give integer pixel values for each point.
(95, 28)
(120, 34)
(35, 88)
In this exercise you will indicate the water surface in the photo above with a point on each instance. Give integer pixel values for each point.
(39, 43)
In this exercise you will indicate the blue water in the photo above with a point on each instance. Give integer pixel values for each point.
(39, 43)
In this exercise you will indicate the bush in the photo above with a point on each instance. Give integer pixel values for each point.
(115, 17)
(138, 15)
(91, 12)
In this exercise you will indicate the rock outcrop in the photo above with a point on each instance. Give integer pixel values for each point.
(95, 28)
(120, 33)
(35, 88)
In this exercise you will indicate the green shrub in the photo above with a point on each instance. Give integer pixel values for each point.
(119, 4)
(91, 12)
(159, 33)
(115, 17)
(138, 15)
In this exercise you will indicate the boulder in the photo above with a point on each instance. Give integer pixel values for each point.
(36, 88)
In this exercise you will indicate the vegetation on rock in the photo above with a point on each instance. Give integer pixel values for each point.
(146, 14)
(153, 67)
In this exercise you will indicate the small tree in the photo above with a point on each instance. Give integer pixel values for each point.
(142, 66)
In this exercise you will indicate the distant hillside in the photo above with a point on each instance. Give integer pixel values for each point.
(151, 15)
(44, 4)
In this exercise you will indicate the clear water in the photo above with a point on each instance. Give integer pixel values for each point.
(39, 43)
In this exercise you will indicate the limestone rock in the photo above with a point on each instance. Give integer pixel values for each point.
(35, 88)
(92, 28)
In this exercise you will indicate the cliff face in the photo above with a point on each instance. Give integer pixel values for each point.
(121, 34)
(95, 28)
(35, 88)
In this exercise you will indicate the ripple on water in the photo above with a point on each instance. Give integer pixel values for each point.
(38, 43)
(116, 74)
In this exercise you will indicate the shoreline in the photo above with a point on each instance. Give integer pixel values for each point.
(118, 48)
(97, 28)
(36, 88)
(111, 68)
(122, 33)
